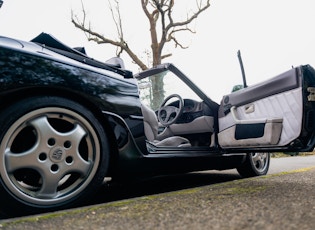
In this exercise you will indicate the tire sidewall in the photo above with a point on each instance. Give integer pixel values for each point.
(13, 205)
(266, 167)
(248, 168)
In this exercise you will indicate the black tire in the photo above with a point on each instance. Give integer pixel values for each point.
(53, 155)
(256, 164)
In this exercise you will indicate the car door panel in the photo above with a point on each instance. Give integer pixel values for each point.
(264, 115)
(281, 83)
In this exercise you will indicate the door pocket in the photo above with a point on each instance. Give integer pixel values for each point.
(251, 132)
(246, 131)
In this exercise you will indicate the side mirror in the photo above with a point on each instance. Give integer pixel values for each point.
(237, 87)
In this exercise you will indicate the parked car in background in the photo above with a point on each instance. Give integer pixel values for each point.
(67, 121)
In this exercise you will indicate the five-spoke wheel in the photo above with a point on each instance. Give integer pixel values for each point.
(53, 152)
(256, 164)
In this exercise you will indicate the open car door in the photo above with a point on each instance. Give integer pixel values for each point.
(277, 114)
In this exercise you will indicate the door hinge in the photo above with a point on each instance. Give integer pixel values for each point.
(311, 96)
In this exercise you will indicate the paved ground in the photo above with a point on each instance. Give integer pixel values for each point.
(277, 201)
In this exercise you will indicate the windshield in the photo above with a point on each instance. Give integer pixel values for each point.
(155, 88)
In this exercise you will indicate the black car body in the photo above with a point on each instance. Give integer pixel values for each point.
(67, 121)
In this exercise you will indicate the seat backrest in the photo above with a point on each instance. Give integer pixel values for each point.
(150, 122)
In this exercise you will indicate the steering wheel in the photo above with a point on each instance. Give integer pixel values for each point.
(169, 114)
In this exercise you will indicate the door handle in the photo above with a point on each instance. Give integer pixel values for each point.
(249, 108)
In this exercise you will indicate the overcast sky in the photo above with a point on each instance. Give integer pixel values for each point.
(273, 35)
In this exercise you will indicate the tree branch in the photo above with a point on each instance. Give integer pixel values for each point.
(100, 39)
(157, 11)
(166, 56)
(191, 18)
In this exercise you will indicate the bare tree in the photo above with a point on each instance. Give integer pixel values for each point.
(163, 29)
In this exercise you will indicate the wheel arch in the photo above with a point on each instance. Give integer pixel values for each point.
(88, 102)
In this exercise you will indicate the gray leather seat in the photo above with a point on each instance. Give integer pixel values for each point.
(151, 131)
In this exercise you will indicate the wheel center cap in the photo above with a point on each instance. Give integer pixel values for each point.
(57, 154)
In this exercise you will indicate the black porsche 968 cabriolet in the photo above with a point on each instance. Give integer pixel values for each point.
(67, 121)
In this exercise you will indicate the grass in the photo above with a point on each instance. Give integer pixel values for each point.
(289, 154)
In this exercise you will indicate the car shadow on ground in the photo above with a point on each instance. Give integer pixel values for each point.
(161, 184)
(142, 187)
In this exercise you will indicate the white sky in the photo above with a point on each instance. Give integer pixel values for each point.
(273, 35)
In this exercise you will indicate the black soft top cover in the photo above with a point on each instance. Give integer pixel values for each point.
(77, 54)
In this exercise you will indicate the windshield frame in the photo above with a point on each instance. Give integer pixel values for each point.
(170, 67)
